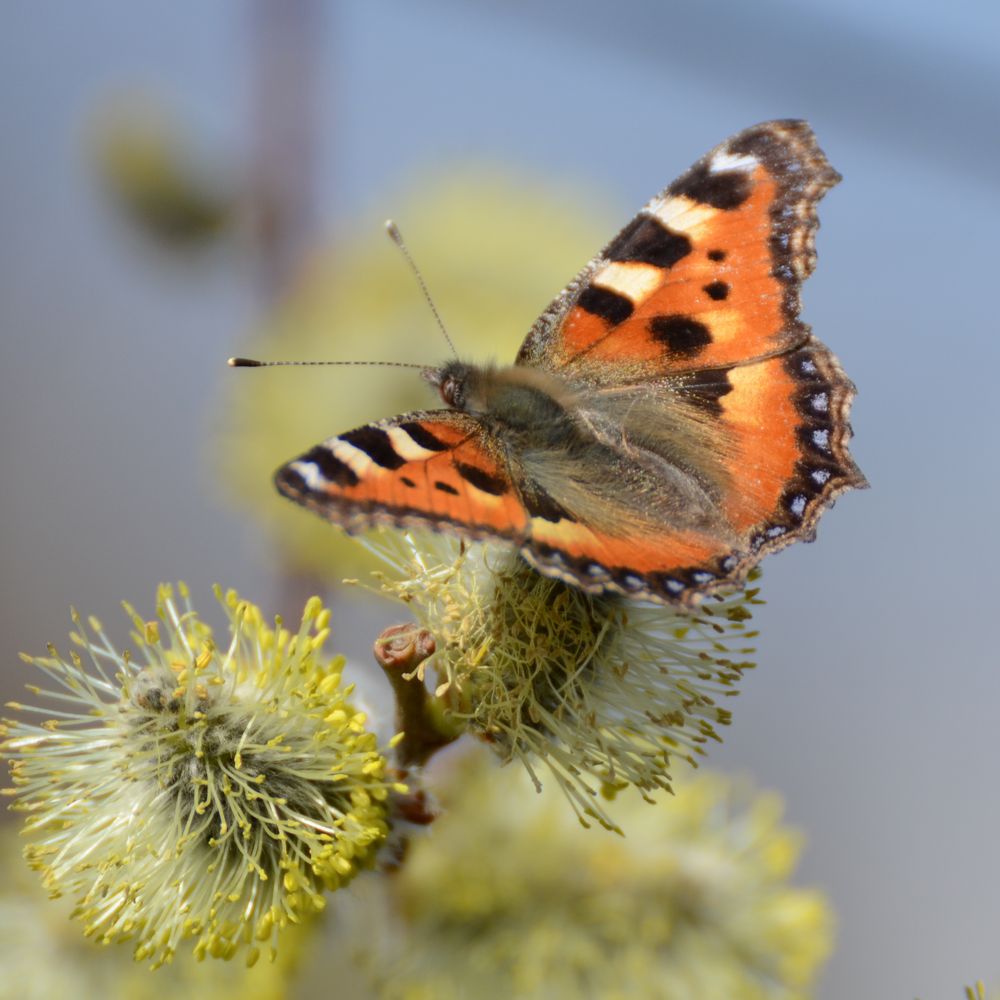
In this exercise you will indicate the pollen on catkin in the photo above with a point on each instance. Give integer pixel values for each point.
(604, 691)
(195, 791)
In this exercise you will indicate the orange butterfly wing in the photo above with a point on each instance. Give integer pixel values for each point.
(786, 468)
(432, 469)
(707, 275)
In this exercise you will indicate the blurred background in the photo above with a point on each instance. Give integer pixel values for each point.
(183, 182)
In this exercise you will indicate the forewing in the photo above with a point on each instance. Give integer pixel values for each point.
(706, 276)
(435, 469)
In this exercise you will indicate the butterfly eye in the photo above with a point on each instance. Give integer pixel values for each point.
(449, 391)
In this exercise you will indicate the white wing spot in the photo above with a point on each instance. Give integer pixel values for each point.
(406, 447)
(309, 471)
(354, 458)
(682, 215)
(729, 161)
(634, 280)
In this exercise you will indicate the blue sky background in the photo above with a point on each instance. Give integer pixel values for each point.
(874, 710)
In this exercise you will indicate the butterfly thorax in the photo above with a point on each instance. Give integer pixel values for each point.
(525, 402)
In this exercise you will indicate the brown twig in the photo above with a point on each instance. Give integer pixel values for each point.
(399, 651)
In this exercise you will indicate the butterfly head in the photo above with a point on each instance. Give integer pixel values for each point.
(452, 382)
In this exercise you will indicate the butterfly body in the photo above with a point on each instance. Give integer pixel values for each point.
(613, 457)
(669, 419)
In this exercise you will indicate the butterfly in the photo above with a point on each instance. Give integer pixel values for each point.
(668, 420)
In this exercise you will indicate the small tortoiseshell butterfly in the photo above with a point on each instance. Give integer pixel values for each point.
(668, 420)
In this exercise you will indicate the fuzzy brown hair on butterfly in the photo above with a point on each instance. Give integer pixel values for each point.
(669, 419)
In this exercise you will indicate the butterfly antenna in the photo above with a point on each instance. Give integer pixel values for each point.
(251, 363)
(397, 237)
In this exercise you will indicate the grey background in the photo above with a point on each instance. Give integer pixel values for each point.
(874, 710)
